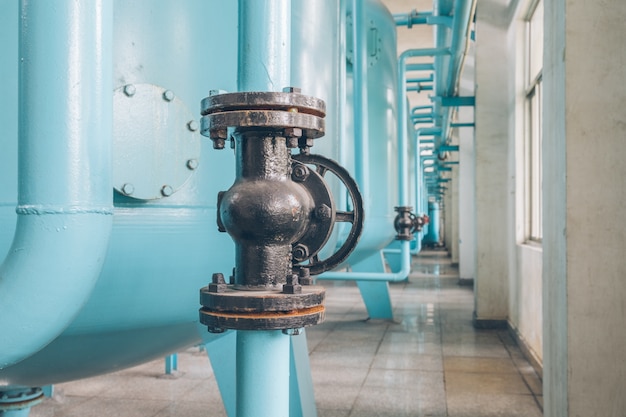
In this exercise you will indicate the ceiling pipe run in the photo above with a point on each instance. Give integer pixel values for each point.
(65, 192)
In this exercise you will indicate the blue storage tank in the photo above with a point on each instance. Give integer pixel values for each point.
(432, 237)
(164, 245)
(380, 182)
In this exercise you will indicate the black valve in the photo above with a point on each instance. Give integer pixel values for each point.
(279, 211)
(407, 223)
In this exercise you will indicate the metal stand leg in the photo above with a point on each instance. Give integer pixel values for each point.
(375, 294)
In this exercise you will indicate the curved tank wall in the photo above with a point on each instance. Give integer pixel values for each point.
(9, 13)
(145, 304)
(380, 185)
(162, 251)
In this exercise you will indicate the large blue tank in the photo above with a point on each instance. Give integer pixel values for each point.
(164, 244)
(380, 182)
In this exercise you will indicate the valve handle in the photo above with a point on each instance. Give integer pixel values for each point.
(322, 166)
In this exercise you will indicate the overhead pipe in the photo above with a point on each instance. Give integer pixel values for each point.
(64, 212)
(464, 11)
(263, 65)
(411, 18)
(420, 67)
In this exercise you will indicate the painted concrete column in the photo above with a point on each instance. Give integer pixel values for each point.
(584, 217)
(491, 187)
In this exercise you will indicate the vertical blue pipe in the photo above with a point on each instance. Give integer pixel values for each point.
(262, 373)
(264, 45)
(359, 71)
(64, 164)
(264, 65)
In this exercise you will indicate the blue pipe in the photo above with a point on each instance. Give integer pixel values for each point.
(424, 131)
(262, 386)
(419, 88)
(463, 10)
(420, 67)
(400, 275)
(65, 194)
(446, 85)
(264, 49)
(403, 192)
(361, 127)
(412, 18)
(262, 372)
(421, 80)
(403, 113)
(420, 108)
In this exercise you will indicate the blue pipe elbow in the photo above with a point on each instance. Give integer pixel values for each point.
(65, 197)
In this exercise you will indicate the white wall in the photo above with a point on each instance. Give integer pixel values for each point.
(508, 281)
(491, 286)
(525, 269)
(584, 209)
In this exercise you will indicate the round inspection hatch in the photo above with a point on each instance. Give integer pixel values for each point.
(156, 143)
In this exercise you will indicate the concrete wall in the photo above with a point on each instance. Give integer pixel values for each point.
(584, 216)
(525, 269)
(492, 193)
(508, 281)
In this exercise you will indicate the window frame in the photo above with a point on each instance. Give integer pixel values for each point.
(533, 178)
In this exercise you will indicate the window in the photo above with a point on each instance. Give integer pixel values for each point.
(533, 125)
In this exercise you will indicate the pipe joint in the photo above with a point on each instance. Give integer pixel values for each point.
(279, 211)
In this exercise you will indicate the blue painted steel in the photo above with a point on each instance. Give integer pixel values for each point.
(64, 203)
(412, 18)
(434, 213)
(375, 174)
(301, 398)
(457, 101)
(360, 96)
(375, 276)
(171, 363)
(222, 353)
(420, 67)
(463, 10)
(262, 373)
(265, 48)
(420, 87)
(422, 202)
(18, 402)
(145, 303)
(264, 65)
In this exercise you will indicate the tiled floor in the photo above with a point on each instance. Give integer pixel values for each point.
(429, 362)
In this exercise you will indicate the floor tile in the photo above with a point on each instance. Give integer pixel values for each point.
(485, 383)
(473, 364)
(428, 361)
(486, 405)
(408, 361)
(388, 402)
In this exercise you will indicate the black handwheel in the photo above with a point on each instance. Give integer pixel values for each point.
(322, 166)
